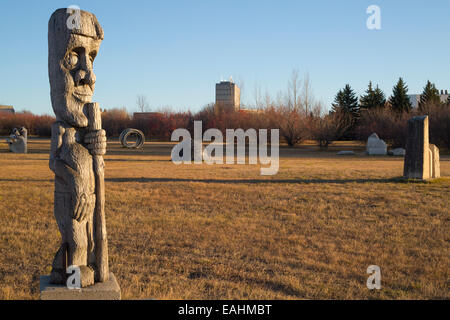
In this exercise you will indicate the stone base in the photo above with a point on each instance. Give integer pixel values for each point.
(109, 290)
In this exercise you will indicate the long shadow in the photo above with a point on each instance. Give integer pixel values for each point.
(241, 181)
(135, 160)
(258, 181)
(106, 160)
(35, 159)
(26, 180)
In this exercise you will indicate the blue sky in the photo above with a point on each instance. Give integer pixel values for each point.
(175, 51)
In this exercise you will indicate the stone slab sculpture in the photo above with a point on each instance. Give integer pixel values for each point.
(18, 140)
(421, 158)
(127, 133)
(417, 164)
(434, 162)
(376, 146)
(78, 144)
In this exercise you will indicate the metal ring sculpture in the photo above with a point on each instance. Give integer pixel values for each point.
(132, 132)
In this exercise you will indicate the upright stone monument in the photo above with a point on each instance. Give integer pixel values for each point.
(376, 146)
(421, 159)
(76, 157)
(18, 140)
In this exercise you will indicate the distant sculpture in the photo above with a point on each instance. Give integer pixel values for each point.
(399, 152)
(18, 140)
(127, 133)
(421, 159)
(434, 162)
(77, 145)
(376, 146)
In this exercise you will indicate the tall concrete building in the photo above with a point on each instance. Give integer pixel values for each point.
(228, 96)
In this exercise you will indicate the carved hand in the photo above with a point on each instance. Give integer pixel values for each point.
(96, 142)
(82, 205)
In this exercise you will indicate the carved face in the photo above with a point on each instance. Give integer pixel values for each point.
(73, 80)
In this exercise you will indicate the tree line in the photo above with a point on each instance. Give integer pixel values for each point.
(295, 112)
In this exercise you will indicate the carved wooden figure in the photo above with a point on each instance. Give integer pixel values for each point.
(77, 146)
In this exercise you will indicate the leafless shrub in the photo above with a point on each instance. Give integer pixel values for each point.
(328, 128)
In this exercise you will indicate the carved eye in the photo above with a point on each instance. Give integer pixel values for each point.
(71, 60)
(92, 55)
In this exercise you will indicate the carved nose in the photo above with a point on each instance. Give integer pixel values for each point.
(85, 77)
(90, 78)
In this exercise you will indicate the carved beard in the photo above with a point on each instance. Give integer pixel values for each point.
(69, 110)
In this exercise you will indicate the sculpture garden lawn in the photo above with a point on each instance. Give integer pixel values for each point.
(226, 232)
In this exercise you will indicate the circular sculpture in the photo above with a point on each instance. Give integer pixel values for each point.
(128, 133)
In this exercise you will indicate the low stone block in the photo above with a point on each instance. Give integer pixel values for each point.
(108, 290)
(346, 153)
(398, 152)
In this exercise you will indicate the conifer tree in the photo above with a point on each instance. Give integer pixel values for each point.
(399, 100)
(373, 98)
(429, 96)
(347, 102)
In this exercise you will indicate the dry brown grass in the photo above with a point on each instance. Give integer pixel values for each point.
(225, 232)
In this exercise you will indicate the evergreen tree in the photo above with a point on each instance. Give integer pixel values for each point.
(347, 102)
(380, 97)
(373, 98)
(430, 95)
(399, 100)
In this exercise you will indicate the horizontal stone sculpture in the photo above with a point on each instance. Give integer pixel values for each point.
(346, 153)
(399, 152)
(128, 133)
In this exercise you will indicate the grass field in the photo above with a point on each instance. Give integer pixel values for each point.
(225, 232)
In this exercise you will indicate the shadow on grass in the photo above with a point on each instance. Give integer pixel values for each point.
(136, 160)
(26, 180)
(259, 181)
(253, 181)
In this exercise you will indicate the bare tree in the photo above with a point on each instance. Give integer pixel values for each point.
(292, 124)
(293, 90)
(257, 96)
(142, 103)
(267, 100)
(307, 96)
(329, 127)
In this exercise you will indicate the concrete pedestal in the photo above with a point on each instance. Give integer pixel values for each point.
(109, 290)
